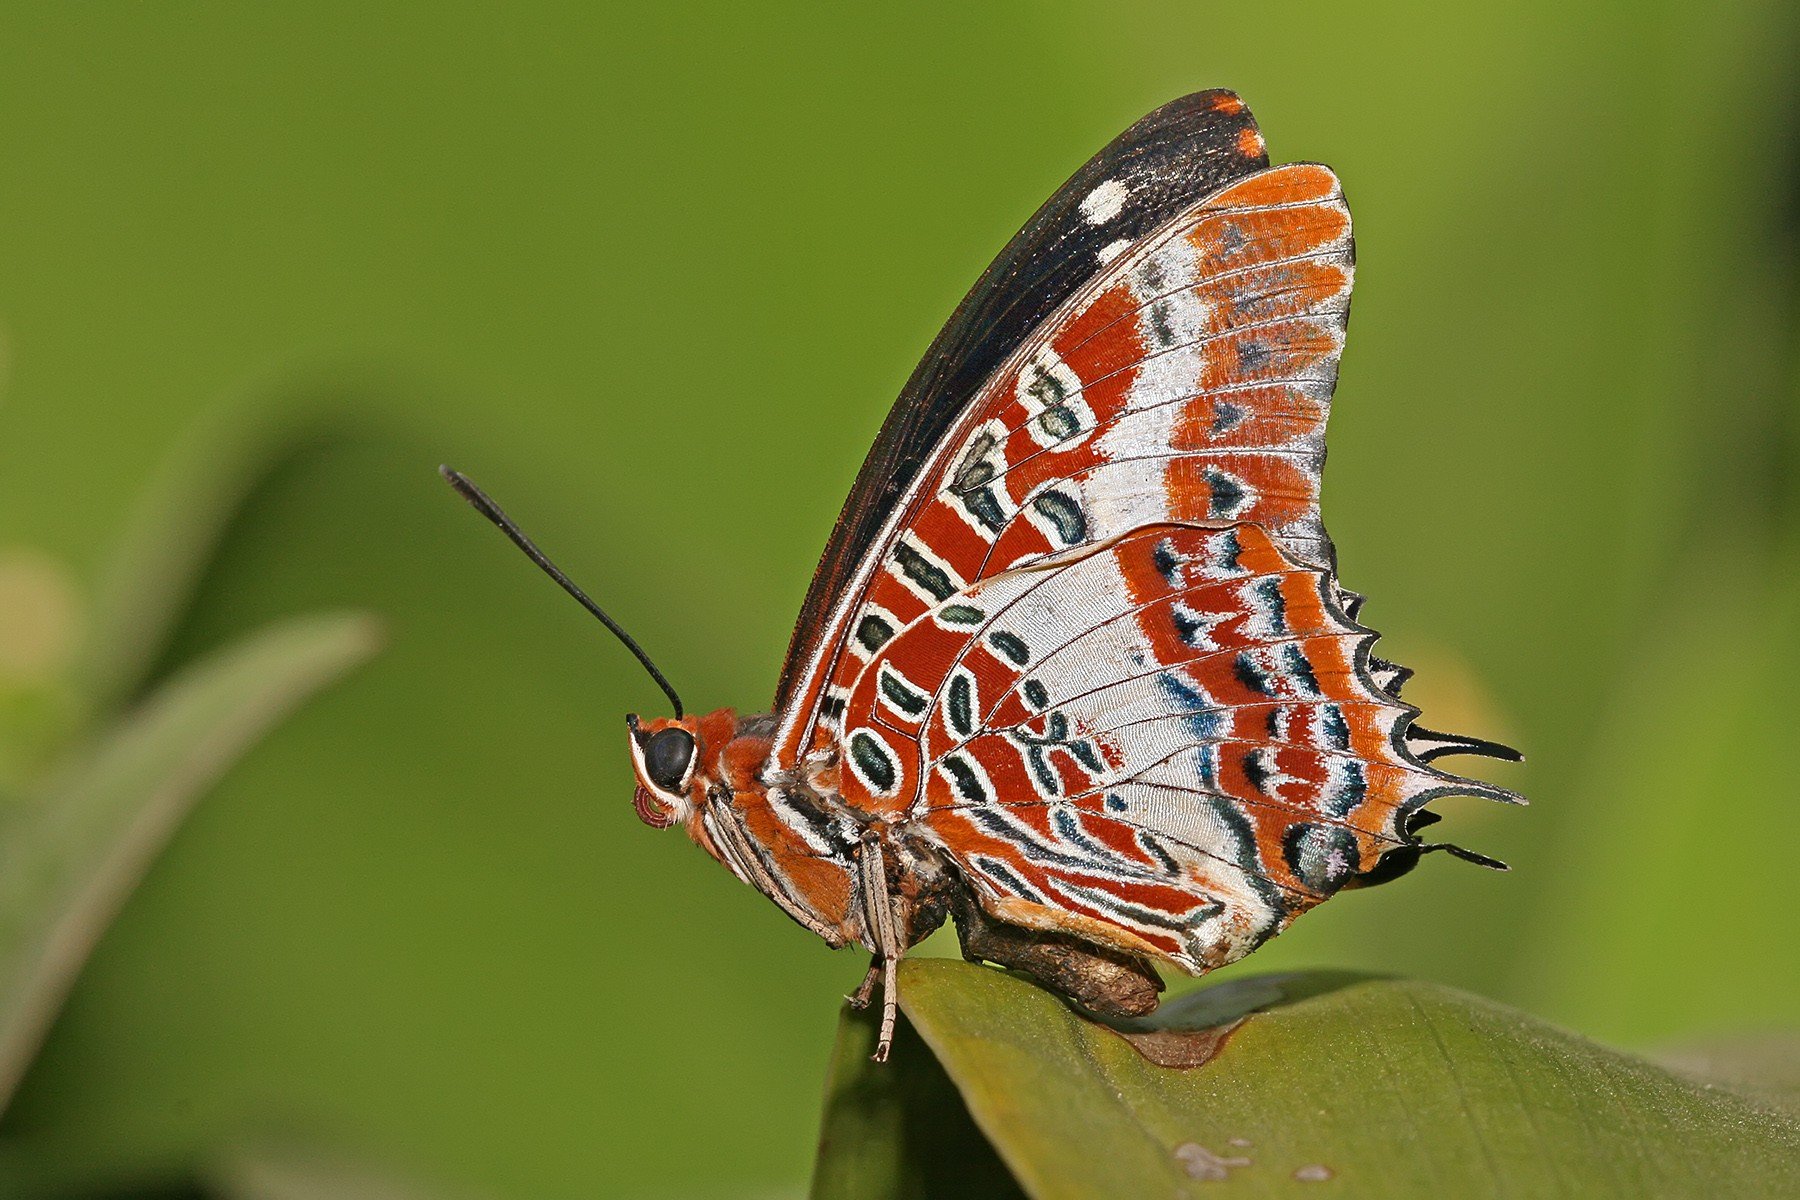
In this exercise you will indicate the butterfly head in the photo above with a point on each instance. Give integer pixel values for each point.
(682, 761)
(666, 753)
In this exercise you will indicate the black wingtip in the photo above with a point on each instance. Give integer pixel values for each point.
(1498, 795)
(1390, 677)
(1457, 743)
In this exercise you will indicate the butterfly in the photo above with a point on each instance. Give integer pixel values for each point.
(1076, 671)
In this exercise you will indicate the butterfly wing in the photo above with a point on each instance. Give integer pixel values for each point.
(1186, 148)
(1189, 380)
(1094, 649)
(1170, 743)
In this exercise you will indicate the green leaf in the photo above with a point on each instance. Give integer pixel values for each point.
(1279, 1084)
(71, 851)
(172, 536)
(899, 1131)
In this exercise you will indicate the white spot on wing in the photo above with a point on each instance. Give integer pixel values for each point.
(1112, 250)
(1104, 202)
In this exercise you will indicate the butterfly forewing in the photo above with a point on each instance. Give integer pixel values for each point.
(1188, 381)
(1152, 171)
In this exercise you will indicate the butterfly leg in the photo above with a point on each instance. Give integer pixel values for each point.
(881, 935)
(859, 999)
(890, 1006)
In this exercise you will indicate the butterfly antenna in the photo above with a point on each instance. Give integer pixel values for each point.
(487, 508)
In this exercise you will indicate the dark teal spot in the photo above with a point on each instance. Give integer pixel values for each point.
(1002, 874)
(1252, 356)
(1349, 789)
(962, 705)
(1154, 849)
(903, 697)
(1299, 669)
(1069, 826)
(1166, 561)
(1202, 718)
(975, 471)
(1250, 675)
(1062, 512)
(1162, 333)
(1206, 765)
(1228, 551)
(1267, 597)
(1256, 771)
(1206, 724)
(873, 760)
(933, 579)
(1190, 626)
(1059, 421)
(966, 781)
(1226, 493)
(1045, 388)
(1011, 646)
(873, 632)
(984, 507)
(1334, 731)
(1086, 755)
(1322, 857)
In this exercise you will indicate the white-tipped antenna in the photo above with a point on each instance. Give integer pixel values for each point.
(487, 508)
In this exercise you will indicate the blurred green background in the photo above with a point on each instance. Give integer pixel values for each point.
(653, 275)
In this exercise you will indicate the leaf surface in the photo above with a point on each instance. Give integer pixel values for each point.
(1307, 1084)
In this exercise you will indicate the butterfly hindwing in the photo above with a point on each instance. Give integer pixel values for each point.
(1170, 743)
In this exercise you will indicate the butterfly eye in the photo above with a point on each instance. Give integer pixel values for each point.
(667, 754)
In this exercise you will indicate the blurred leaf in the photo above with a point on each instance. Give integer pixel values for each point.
(73, 850)
(1688, 815)
(43, 618)
(171, 536)
(1390, 1088)
(1766, 1063)
(289, 1172)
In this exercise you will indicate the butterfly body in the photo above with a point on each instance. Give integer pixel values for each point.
(849, 873)
(1076, 669)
